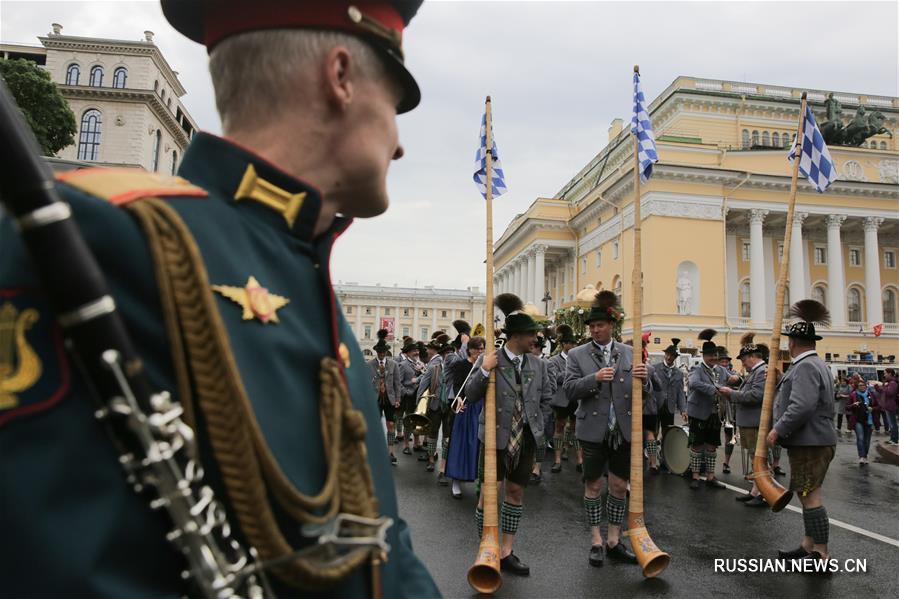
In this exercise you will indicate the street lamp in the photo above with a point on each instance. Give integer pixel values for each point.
(546, 299)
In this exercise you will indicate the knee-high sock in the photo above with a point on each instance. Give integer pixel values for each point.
(728, 449)
(696, 459)
(479, 520)
(593, 507)
(817, 526)
(557, 443)
(566, 436)
(511, 517)
(652, 447)
(398, 424)
(432, 447)
(710, 457)
(444, 448)
(615, 509)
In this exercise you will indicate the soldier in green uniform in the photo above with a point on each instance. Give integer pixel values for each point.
(222, 278)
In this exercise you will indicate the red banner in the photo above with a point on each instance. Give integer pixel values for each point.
(390, 324)
(878, 329)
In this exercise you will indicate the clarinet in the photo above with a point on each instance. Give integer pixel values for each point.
(157, 450)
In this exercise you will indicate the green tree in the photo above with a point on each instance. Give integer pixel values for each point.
(46, 111)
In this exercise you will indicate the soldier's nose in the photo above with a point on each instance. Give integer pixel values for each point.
(398, 153)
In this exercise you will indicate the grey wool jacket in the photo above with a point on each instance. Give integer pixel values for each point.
(748, 398)
(803, 406)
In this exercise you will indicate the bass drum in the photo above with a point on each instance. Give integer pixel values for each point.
(676, 449)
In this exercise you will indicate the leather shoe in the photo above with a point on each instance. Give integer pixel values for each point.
(694, 484)
(393, 460)
(714, 483)
(513, 565)
(535, 479)
(620, 553)
(442, 480)
(725, 469)
(756, 501)
(798, 553)
(556, 468)
(597, 555)
(654, 470)
(429, 468)
(743, 498)
(407, 451)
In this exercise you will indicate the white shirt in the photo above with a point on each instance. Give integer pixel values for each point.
(804, 355)
(606, 351)
(382, 362)
(511, 357)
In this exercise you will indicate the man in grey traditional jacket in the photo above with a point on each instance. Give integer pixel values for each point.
(387, 381)
(803, 412)
(747, 402)
(599, 376)
(523, 393)
(668, 391)
(704, 381)
(563, 408)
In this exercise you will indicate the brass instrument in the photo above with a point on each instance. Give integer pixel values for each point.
(417, 421)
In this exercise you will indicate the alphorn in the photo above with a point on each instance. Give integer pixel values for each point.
(651, 559)
(484, 575)
(774, 493)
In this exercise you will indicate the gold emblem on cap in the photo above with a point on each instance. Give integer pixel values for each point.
(255, 300)
(375, 27)
(252, 187)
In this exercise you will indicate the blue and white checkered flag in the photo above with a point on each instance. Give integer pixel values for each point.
(480, 165)
(641, 126)
(815, 163)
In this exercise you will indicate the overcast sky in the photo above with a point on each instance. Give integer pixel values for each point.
(558, 74)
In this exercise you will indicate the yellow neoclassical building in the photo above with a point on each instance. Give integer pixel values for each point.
(714, 214)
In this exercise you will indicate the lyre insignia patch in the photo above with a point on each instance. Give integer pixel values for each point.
(33, 370)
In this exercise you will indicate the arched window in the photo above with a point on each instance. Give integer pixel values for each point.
(819, 294)
(889, 306)
(162, 95)
(775, 139)
(883, 145)
(72, 74)
(89, 138)
(745, 139)
(874, 144)
(119, 77)
(157, 141)
(766, 139)
(156, 85)
(617, 288)
(854, 304)
(745, 305)
(96, 76)
(175, 162)
(755, 138)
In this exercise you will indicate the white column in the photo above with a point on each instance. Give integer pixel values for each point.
(539, 275)
(757, 268)
(520, 277)
(797, 260)
(836, 286)
(358, 310)
(564, 287)
(529, 280)
(415, 330)
(433, 319)
(872, 272)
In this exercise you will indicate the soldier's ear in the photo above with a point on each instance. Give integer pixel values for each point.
(337, 79)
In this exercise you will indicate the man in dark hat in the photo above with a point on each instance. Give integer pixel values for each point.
(523, 393)
(668, 389)
(747, 401)
(563, 408)
(725, 407)
(433, 383)
(409, 382)
(221, 277)
(803, 412)
(387, 382)
(599, 375)
(703, 412)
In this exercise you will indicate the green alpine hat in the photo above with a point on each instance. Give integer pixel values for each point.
(722, 353)
(565, 334)
(809, 312)
(673, 349)
(517, 321)
(409, 344)
(381, 346)
(605, 307)
(708, 346)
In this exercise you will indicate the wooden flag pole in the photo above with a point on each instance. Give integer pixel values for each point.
(484, 576)
(773, 492)
(652, 559)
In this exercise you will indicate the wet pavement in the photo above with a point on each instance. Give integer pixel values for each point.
(694, 527)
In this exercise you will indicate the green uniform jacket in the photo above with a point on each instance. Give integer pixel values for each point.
(71, 526)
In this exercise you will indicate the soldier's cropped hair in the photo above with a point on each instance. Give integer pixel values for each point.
(251, 71)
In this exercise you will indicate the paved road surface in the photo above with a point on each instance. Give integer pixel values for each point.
(695, 527)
